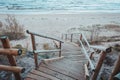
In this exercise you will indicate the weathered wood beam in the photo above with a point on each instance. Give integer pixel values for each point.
(12, 61)
(71, 38)
(12, 69)
(60, 49)
(34, 48)
(13, 52)
(116, 69)
(99, 65)
(65, 36)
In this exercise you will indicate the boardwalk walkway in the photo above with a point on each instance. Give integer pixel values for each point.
(69, 68)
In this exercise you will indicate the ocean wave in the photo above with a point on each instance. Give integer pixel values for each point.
(46, 5)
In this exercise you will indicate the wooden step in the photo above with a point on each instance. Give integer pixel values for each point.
(46, 61)
(64, 71)
(39, 73)
(56, 74)
(35, 76)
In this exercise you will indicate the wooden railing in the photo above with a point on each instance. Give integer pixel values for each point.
(35, 51)
(115, 75)
(10, 53)
(93, 68)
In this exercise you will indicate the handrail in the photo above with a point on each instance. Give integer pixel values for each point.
(85, 52)
(14, 52)
(46, 51)
(8, 52)
(44, 36)
(82, 36)
(42, 51)
(85, 40)
(104, 51)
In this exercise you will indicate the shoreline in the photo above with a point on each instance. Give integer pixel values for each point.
(34, 12)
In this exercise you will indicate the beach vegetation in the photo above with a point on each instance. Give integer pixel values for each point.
(46, 46)
(19, 46)
(13, 29)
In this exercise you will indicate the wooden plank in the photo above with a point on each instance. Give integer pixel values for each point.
(44, 75)
(71, 38)
(55, 73)
(36, 77)
(52, 59)
(69, 65)
(29, 79)
(63, 71)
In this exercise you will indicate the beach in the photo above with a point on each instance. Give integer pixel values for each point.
(54, 24)
(59, 23)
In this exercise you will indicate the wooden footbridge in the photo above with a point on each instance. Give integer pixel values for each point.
(71, 62)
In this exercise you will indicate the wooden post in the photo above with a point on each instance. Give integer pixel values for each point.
(116, 69)
(12, 61)
(71, 37)
(98, 66)
(34, 48)
(62, 36)
(60, 50)
(65, 36)
(81, 37)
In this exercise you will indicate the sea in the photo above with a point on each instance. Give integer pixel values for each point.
(39, 6)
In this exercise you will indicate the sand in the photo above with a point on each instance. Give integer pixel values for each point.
(59, 23)
(54, 24)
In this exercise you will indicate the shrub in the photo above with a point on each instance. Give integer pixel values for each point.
(19, 46)
(13, 29)
(46, 46)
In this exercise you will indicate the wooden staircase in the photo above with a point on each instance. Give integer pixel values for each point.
(71, 62)
(69, 68)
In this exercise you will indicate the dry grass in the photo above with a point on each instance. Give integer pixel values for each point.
(13, 29)
(19, 46)
(46, 46)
